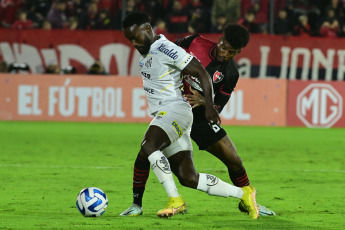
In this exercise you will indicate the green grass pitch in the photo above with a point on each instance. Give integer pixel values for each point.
(298, 172)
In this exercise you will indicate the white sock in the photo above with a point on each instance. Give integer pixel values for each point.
(161, 167)
(216, 187)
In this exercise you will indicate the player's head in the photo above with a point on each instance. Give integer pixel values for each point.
(234, 38)
(138, 31)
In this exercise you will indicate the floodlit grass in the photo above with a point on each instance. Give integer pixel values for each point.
(299, 173)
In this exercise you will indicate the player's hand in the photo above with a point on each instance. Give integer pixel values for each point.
(212, 115)
(195, 99)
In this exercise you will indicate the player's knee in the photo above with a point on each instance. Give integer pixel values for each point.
(190, 181)
(149, 147)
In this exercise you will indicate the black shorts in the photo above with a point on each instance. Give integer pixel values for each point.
(204, 135)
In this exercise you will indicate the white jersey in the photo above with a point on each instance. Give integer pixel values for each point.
(161, 72)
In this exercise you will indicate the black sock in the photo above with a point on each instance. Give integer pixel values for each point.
(239, 178)
(140, 176)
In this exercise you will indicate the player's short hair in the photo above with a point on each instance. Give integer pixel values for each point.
(137, 18)
(237, 35)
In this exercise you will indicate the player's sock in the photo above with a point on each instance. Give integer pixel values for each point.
(140, 175)
(216, 187)
(161, 167)
(239, 178)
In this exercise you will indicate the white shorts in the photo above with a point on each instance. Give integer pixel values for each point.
(176, 120)
(184, 143)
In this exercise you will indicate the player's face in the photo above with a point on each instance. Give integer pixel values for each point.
(225, 52)
(138, 36)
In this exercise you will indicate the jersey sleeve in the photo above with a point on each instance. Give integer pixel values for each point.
(176, 56)
(222, 96)
(186, 41)
(220, 101)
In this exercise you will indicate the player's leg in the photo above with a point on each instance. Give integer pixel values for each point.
(225, 150)
(140, 175)
(181, 160)
(155, 140)
(183, 167)
(215, 140)
(173, 121)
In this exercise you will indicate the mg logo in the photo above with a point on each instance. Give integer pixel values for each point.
(319, 105)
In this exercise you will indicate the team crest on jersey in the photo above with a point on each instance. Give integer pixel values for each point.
(148, 63)
(217, 77)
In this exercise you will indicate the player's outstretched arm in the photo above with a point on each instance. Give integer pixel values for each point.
(195, 69)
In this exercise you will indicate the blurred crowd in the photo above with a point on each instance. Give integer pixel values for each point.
(324, 18)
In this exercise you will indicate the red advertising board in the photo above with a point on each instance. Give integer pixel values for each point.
(121, 99)
(265, 56)
(316, 104)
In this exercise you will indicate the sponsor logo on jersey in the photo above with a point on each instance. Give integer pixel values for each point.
(168, 52)
(177, 128)
(161, 114)
(149, 90)
(217, 77)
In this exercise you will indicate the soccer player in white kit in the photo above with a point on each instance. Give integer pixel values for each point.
(169, 132)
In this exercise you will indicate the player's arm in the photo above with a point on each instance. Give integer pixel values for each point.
(196, 99)
(221, 97)
(224, 93)
(195, 69)
(220, 100)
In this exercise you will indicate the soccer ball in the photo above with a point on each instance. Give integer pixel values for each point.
(92, 202)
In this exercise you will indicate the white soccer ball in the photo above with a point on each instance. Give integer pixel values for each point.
(92, 202)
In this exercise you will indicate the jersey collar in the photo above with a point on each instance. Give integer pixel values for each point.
(210, 52)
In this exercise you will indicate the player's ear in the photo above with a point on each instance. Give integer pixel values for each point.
(148, 28)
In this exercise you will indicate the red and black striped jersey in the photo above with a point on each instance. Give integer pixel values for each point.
(224, 75)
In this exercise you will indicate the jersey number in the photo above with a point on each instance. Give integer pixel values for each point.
(215, 128)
